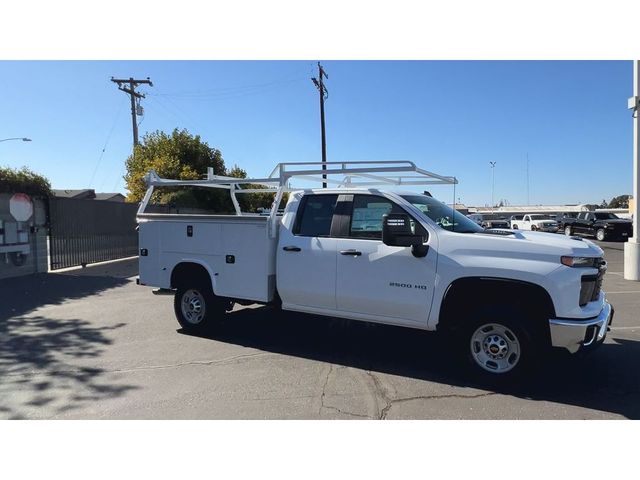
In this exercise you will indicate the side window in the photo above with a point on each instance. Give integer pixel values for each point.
(366, 218)
(314, 220)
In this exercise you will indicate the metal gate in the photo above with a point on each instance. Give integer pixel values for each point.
(89, 231)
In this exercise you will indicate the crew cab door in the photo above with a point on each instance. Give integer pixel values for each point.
(306, 255)
(375, 280)
(582, 223)
(526, 222)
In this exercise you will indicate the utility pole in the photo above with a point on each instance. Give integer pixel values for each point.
(632, 246)
(528, 178)
(493, 183)
(324, 94)
(131, 91)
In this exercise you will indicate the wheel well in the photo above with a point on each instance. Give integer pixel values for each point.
(465, 294)
(188, 273)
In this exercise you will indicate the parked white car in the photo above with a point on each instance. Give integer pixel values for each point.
(534, 222)
(379, 256)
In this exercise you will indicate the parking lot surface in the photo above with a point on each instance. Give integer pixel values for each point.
(92, 344)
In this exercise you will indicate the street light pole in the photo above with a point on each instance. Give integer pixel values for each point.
(24, 139)
(493, 182)
(632, 246)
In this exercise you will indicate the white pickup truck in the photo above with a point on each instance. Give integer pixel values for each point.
(535, 222)
(502, 297)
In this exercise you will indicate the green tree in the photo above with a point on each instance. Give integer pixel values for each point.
(179, 155)
(621, 201)
(23, 181)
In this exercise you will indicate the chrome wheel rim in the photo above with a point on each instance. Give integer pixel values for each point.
(600, 235)
(567, 231)
(495, 348)
(193, 307)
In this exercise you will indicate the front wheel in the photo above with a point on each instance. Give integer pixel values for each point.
(197, 308)
(533, 228)
(498, 350)
(567, 231)
(600, 235)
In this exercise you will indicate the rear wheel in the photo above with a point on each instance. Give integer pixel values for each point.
(196, 307)
(567, 230)
(515, 227)
(600, 234)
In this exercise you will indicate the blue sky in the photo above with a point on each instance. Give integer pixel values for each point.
(449, 117)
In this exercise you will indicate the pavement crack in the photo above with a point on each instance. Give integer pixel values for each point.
(385, 411)
(381, 394)
(324, 388)
(223, 361)
(344, 412)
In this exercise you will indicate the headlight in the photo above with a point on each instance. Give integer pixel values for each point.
(580, 261)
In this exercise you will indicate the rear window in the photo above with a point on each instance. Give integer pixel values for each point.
(316, 215)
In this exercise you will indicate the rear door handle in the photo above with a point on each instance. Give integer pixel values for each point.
(353, 252)
(291, 248)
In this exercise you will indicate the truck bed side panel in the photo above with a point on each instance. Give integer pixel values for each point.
(236, 251)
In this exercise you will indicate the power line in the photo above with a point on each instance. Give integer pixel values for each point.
(182, 120)
(223, 92)
(115, 121)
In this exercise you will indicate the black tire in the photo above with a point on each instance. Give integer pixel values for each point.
(499, 346)
(197, 308)
(515, 227)
(533, 228)
(568, 231)
(601, 235)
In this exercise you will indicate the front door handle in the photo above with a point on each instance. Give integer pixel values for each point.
(353, 252)
(291, 248)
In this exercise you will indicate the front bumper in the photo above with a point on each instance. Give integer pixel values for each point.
(575, 335)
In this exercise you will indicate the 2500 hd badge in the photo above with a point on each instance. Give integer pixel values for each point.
(407, 285)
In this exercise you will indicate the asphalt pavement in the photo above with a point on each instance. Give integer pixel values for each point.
(92, 344)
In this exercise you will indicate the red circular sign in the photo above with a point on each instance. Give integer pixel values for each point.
(21, 207)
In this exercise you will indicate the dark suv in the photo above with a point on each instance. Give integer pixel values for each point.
(565, 217)
(602, 225)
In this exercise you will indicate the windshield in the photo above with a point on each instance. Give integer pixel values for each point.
(605, 216)
(444, 216)
(540, 217)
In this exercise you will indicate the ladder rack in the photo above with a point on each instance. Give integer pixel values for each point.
(348, 174)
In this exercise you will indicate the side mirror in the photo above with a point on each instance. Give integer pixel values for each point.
(396, 232)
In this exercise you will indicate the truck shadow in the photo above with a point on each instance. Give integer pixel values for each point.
(605, 380)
